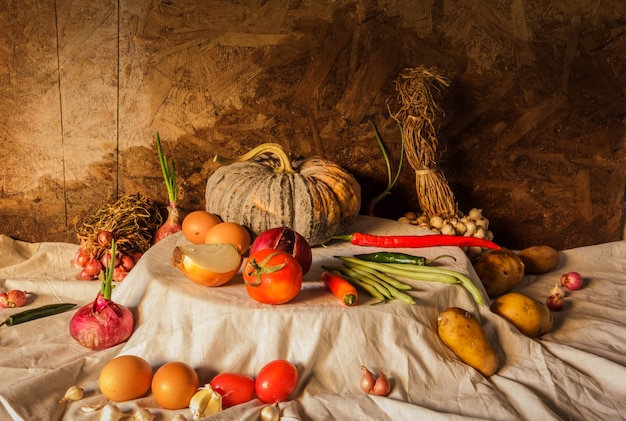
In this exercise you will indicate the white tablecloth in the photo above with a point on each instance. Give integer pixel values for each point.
(574, 372)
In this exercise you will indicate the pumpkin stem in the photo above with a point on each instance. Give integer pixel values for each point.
(275, 148)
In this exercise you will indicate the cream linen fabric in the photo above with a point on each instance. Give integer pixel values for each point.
(575, 372)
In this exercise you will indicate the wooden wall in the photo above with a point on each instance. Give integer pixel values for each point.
(534, 124)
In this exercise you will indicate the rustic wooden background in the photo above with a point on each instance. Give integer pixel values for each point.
(534, 125)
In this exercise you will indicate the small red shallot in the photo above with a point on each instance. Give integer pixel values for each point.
(13, 298)
(105, 238)
(373, 385)
(572, 281)
(556, 299)
(367, 380)
(382, 387)
(80, 258)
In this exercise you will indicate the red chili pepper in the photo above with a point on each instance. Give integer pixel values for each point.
(415, 241)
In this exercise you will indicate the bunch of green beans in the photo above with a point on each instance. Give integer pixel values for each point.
(379, 278)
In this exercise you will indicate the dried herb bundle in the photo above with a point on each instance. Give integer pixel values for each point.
(132, 219)
(417, 114)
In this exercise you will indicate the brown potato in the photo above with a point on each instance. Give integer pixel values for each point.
(465, 336)
(531, 317)
(539, 259)
(499, 270)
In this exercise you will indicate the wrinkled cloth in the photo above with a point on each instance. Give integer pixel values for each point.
(574, 372)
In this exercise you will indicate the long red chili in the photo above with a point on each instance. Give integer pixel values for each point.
(415, 241)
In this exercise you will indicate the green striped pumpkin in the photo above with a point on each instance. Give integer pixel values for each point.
(313, 196)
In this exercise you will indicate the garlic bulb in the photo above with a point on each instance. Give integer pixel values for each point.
(474, 224)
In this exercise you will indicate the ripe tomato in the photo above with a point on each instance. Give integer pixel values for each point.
(276, 381)
(272, 276)
(235, 388)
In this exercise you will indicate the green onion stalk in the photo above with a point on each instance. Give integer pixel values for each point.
(172, 224)
(391, 179)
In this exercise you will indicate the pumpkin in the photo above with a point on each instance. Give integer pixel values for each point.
(265, 189)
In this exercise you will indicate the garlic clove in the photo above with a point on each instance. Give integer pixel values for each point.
(73, 393)
(205, 402)
(112, 412)
(475, 214)
(270, 413)
(88, 409)
(142, 414)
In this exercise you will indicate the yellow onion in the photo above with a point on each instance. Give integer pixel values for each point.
(209, 265)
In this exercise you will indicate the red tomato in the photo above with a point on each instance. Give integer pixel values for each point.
(276, 381)
(234, 388)
(272, 276)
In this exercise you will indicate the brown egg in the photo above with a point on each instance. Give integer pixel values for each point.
(197, 223)
(174, 384)
(229, 232)
(125, 377)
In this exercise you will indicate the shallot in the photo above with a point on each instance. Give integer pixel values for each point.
(373, 385)
(556, 299)
(13, 298)
(172, 224)
(572, 281)
(105, 238)
(102, 323)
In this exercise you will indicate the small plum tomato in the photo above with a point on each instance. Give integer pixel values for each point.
(276, 381)
(234, 388)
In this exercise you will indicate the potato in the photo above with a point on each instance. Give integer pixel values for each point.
(539, 259)
(465, 336)
(499, 270)
(531, 317)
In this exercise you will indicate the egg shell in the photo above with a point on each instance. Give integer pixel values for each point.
(125, 377)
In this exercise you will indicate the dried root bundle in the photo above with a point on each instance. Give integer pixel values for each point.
(417, 114)
(132, 220)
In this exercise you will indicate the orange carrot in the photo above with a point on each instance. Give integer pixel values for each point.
(341, 288)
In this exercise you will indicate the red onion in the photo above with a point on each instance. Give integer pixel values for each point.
(102, 323)
(288, 240)
(572, 281)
